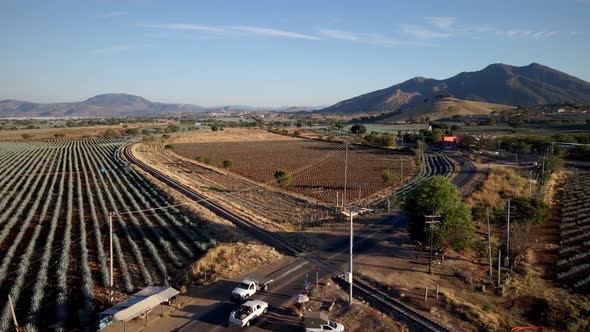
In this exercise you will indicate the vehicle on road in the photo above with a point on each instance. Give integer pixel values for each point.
(247, 312)
(248, 287)
(318, 321)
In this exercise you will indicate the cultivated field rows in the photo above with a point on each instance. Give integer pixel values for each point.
(55, 199)
(324, 181)
(574, 263)
(249, 197)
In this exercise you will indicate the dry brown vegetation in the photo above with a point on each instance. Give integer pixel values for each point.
(317, 167)
(446, 108)
(231, 261)
(358, 317)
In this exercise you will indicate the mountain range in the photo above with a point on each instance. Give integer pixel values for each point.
(494, 87)
(497, 84)
(119, 105)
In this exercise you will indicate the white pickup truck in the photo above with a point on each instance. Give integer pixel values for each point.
(319, 322)
(247, 288)
(247, 312)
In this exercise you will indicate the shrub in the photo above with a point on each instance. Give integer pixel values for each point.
(283, 177)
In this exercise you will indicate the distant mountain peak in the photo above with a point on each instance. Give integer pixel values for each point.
(116, 99)
(497, 83)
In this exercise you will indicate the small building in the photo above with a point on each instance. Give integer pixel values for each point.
(450, 139)
(137, 305)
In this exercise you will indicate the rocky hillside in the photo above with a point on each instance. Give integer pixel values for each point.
(497, 83)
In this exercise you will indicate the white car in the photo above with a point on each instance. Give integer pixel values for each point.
(319, 322)
(247, 312)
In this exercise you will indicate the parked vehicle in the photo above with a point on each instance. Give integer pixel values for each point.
(249, 287)
(318, 322)
(247, 312)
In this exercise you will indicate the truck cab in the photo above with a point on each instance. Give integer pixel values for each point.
(248, 287)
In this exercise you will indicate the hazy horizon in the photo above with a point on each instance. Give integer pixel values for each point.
(268, 54)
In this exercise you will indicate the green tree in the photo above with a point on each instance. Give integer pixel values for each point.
(171, 129)
(214, 127)
(520, 147)
(437, 135)
(228, 164)
(283, 177)
(111, 133)
(438, 196)
(358, 129)
(529, 210)
(389, 177)
(299, 124)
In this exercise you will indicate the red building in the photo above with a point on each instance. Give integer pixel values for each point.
(451, 139)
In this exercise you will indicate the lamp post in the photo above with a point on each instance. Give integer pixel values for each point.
(352, 211)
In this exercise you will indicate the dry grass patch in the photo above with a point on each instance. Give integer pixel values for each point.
(355, 317)
(231, 261)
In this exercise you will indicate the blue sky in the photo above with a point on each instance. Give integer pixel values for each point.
(273, 52)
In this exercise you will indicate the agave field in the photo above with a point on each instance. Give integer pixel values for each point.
(318, 165)
(55, 198)
(574, 252)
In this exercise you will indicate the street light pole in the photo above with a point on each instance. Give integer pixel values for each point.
(345, 175)
(111, 253)
(351, 240)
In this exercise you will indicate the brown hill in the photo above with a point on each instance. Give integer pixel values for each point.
(445, 108)
(497, 83)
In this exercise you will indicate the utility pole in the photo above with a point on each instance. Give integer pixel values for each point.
(16, 328)
(401, 166)
(489, 246)
(530, 183)
(345, 175)
(111, 253)
(431, 221)
(351, 240)
(499, 267)
(543, 170)
(507, 260)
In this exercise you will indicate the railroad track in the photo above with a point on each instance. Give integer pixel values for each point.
(368, 291)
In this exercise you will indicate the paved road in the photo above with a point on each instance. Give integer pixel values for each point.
(467, 171)
(209, 308)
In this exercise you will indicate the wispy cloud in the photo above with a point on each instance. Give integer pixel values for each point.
(442, 22)
(521, 33)
(368, 38)
(273, 32)
(116, 49)
(422, 32)
(182, 27)
(240, 29)
(112, 14)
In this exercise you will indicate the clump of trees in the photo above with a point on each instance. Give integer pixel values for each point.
(528, 215)
(283, 177)
(438, 196)
(111, 133)
(380, 139)
(358, 129)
